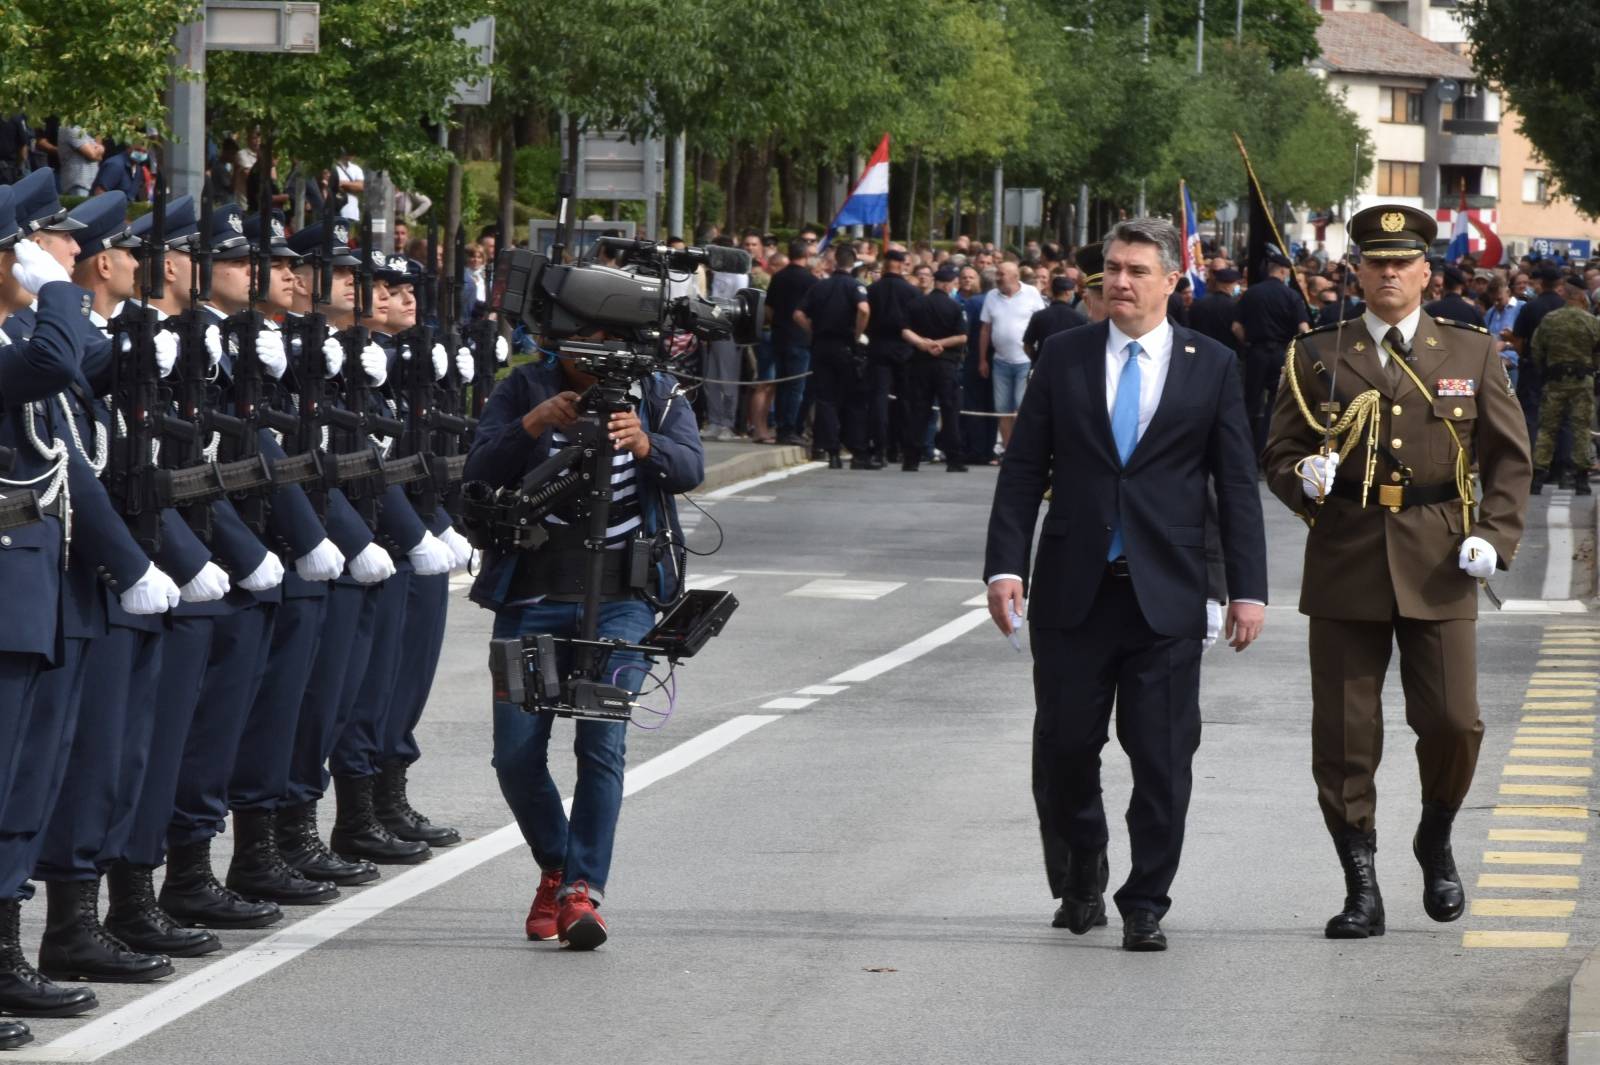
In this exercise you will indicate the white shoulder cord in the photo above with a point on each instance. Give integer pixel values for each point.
(55, 453)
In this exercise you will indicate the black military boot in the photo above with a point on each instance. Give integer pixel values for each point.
(302, 847)
(24, 990)
(135, 918)
(1580, 484)
(193, 897)
(1565, 478)
(357, 832)
(394, 809)
(76, 946)
(1083, 904)
(1442, 895)
(1362, 915)
(1539, 478)
(834, 461)
(259, 872)
(14, 1034)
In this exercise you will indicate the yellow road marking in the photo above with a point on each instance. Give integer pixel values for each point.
(1556, 730)
(1560, 693)
(1552, 718)
(1537, 835)
(1523, 907)
(1577, 813)
(1552, 663)
(1547, 771)
(1567, 704)
(1543, 881)
(1544, 739)
(1531, 858)
(1547, 791)
(1568, 652)
(1545, 752)
(1515, 940)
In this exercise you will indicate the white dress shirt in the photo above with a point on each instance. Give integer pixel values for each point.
(1155, 359)
(1377, 328)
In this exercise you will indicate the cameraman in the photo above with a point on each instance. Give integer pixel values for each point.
(531, 414)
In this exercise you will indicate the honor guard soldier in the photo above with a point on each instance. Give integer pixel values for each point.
(1565, 346)
(834, 311)
(1378, 430)
(1270, 315)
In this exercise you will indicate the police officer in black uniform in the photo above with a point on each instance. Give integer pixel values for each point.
(835, 312)
(937, 333)
(1057, 317)
(1214, 313)
(889, 303)
(1452, 304)
(1270, 315)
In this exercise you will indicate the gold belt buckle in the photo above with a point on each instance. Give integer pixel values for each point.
(1391, 495)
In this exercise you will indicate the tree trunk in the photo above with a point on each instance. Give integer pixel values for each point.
(955, 218)
(824, 194)
(698, 214)
(793, 189)
(931, 198)
(753, 184)
(730, 187)
(911, 204)
(507, 237)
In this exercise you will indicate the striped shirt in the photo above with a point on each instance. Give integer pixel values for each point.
(625, 515)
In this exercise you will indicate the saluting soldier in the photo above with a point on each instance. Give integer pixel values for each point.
(1413, 406)
(1563, 347)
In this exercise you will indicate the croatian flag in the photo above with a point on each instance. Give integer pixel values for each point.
(868, 202)
(1192, 254)
(1460, 234)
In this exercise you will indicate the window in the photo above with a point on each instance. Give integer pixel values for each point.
(1399, 179)
(1400, 105)
(1535, 187)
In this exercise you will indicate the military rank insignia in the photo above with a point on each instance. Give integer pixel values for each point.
(1456, 386)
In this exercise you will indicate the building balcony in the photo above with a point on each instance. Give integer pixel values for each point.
(1467, 150)
(1474, 203)
(1470, 127)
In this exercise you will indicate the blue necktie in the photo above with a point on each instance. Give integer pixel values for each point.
(1125, 425)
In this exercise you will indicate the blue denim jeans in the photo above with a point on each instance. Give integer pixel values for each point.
(1010, 380)
(582, 845)
(792, 359)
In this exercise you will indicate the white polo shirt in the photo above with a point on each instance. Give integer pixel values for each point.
(1008, 318)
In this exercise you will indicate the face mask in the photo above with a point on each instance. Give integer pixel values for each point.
(138, 157)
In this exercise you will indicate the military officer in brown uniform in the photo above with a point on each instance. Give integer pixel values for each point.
(1383, 473)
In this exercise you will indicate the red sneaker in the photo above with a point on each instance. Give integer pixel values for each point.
(541, 922)
(579, 926)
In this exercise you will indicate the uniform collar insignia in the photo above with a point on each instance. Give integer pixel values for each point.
(1360, 345)
(1433, 342)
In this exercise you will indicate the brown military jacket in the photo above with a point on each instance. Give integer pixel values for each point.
(1371, 564)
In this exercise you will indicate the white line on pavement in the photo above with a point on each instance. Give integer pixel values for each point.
(709, 580)
(788, 702)
(122, 1027)
(766, 478)
(950, 630)
(1558, 562)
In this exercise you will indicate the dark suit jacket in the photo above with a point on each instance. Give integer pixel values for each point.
(1063, 442)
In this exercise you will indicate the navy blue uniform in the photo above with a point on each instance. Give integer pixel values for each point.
(838, 382)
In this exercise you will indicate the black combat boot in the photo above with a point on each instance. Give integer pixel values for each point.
(1539, 478)
(76, 946)
(1442, 895)
(24, 991)
(1565, 478)
(259, 872)
(834, 461)
(14, 1034)
(1362, 915)
(357, 832)
(1083, 903)
(193, 897)
(302, 847)
(394, 809)
(135, 917)
(1580, 484)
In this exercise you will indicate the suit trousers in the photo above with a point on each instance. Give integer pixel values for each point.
(840, 398)
(1114, 659)
(929, 379)
(889, 408)
(1439, 675)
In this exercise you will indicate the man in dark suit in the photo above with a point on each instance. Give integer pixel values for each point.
(1125, 423)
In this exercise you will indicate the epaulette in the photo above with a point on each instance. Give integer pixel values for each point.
(1462, 325)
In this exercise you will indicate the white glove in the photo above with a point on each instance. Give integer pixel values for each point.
(321, 563)
(269, 349)
(1478, 557)
(430, 557)
(333, 353)
(375, 364)
(214, 344)
(465, 364)
(1213, 624)
(1317, 474)
(166, 351)
(267, 575)
(502, 350)
(459, 547)
(154, 593)
(441, 361)
(34, 269)
(372, 565)
(209, 585)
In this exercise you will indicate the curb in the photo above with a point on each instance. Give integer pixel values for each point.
(754, 464)
(1583, 1014)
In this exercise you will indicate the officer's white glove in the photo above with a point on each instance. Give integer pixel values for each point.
(154, 593)
(375, 364)
(502, 350)
(321, 563)
(269, 349)
(166, 351)
(267, 575)
(1478, 557)
(465, 365)
(371, 565)
(214, 344)
(441, 361)
(460, 548)
(34, 269)
(430, 557)
(209, 585)
(1317, 473)
(333, 354)
(1213, 624)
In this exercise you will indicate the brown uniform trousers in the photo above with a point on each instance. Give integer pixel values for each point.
(1387, 574)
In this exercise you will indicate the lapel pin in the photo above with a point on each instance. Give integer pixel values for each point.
(1361, 345)
(1189, 348)
(1433, 342)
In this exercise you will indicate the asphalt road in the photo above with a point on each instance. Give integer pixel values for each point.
(854, 876)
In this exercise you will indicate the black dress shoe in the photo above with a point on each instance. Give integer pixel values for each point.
(1141, 931)
(834, 461)
(258, 871)
(302, 847)
(394, 809)
(1362, 916)
(192, 895)
(875, 463)
(137, 919)
(24, 990)
(14, 1034)
(1083, 902)
(1443, 897)
(76, 946)
(955, 467)
(357, 832)
(909, 467)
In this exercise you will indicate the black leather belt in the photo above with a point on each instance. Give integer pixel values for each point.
(1398, 496)
(1568, 372)
(1118, 567)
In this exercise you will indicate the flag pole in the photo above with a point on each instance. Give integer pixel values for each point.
(1277, 237)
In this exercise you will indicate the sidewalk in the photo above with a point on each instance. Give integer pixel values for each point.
(731, 461)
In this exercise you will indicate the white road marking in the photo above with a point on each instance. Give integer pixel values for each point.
(1558, 562)
(914, 650)
(952, 580)
(786, 573)
(766, 478)
(1545, 606)
(788, 702)
(123, 1027)
(710, 580)
(832, 588)
(823, 689)
(981, 599)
